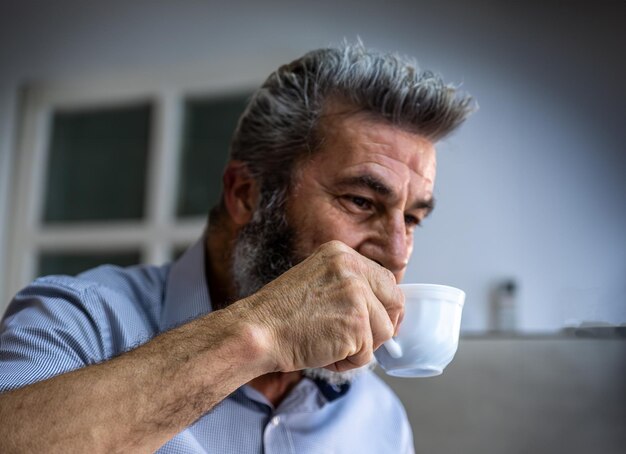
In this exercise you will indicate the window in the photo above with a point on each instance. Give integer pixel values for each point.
(117, 174)
(97, 161)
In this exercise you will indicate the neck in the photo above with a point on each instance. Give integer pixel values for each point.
(276, 385)
(218, 253)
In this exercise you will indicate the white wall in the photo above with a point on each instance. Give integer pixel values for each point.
(531, 188)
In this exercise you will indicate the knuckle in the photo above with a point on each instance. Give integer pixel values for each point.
(341, 263)
(388, 275)
(354, 289)
(352, 349)
(335, 265)
(333, 246)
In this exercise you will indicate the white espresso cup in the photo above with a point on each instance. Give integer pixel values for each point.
(429, 333)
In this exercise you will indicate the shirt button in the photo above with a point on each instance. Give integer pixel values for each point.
(276, 420)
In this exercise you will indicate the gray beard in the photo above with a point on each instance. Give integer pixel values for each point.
(264, 250)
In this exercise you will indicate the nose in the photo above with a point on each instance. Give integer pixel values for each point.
(397, 247)
(392, 247)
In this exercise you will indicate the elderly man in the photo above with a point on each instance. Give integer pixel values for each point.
(259, 339)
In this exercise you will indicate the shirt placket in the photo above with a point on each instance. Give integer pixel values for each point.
(276, 436)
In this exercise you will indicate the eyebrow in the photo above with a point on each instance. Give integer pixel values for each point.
(373, 183)
(368, 181)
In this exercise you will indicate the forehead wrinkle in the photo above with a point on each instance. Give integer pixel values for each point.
(414, 160)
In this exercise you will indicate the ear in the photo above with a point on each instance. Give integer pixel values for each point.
(241, 192)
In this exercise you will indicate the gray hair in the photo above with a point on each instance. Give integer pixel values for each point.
(281, 124)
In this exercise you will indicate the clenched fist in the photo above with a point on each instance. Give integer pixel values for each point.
(332, 310)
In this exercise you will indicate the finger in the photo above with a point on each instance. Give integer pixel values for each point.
(381, 325)
(400, 318)
(361, 359)
(384, 286)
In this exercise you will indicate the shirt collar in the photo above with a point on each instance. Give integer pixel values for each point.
(331, 392)
(307, 396)
(186, 292)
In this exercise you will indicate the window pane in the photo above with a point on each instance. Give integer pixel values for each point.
(97, 164)
(74, 263)
(209, 126)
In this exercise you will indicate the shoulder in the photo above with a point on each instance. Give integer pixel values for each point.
(61, 323)
(137, 281)
(142, 284)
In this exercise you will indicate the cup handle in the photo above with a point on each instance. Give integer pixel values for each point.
(393, 348)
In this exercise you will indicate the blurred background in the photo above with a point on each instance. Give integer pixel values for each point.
(115, 119)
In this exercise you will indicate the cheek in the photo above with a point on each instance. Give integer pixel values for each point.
(317, 219)
(313, 231)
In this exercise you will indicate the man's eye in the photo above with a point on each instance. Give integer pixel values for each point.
(412, 221)
(361, 202)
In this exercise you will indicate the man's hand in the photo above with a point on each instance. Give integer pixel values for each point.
(332, 310)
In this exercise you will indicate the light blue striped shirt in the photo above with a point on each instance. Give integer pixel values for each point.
(61, 323)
